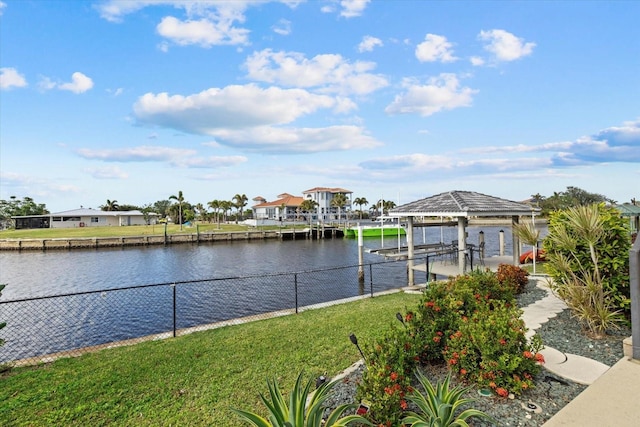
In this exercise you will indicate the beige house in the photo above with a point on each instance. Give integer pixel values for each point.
(85, 217)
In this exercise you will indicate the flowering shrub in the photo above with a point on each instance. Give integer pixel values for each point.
(472, 324)
(513, 276)
(491, 350)
(386, 381)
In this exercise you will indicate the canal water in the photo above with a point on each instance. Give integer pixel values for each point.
(226, 280)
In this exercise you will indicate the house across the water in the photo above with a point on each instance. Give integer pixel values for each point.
(85, 217)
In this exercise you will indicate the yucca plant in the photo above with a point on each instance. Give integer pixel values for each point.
(439, 405)
(301, 410)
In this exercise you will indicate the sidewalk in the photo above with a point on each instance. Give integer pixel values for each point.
(613, 394)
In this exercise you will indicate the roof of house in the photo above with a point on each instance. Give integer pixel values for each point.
(463, 204)
(627, 209)
(327, 190)
(287, 200)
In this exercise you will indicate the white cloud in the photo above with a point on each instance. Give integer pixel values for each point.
(2, 6)
(252, 118)
(213, 162)
(368, 43)
(205, 23)
(79, 83)
(107, 172)
(230, 107)
(352, 8)
(435, 48)
(505, 46)
(441, 93)
(329, 73)
(201, 32)
(282, 140)
(283, 27)
(10, 78)
(476, 61)
(145, 153)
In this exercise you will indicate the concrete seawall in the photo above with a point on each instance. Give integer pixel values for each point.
(111, 242)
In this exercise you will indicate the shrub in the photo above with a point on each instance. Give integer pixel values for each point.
(299, 412)
(490, 349)
(587, 257)
(513, 276)
(386, 381)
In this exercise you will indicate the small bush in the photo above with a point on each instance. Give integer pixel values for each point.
(513, 276)
(386, 381)
(490, 349)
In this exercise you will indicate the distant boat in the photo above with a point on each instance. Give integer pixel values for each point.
(376, 230)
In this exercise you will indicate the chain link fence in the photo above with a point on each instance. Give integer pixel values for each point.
(42, 329)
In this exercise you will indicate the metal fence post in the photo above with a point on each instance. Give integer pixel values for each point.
(174, 310)
(295, 284)
(371, 278)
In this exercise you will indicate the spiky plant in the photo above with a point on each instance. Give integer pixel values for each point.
(301, 410)
(439, 404)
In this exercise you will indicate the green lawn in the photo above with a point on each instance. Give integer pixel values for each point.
(133, 230)
(194, 379)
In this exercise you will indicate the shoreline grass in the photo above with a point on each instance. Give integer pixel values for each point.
(194, 379)
(130, 230)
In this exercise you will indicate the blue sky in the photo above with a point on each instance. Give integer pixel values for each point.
(137, 100)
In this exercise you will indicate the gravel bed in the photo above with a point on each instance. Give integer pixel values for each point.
(537, 405)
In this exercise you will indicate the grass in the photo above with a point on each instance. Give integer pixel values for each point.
(194, 379)
(132, 230)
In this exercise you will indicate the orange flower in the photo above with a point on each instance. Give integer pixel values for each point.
(453, 361)
(503, 341)
(436, 339)
(502, 392)
(393, 376)
(527, 354)
(539, 358)
(492, 384)
(463, 371)
(403, 405)
(408, 317)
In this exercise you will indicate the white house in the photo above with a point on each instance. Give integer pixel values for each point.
(283, 209)
(85, 217)
(323, 196)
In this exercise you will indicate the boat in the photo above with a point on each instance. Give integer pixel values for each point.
(376, 230)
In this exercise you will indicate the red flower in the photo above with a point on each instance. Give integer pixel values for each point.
(502, 392)
(463, 371)
(527, 354)
(539, 358)
(408, 317)
(403, 405)
(393, 376)
(503, 341)
(436, 339)
(453, 361)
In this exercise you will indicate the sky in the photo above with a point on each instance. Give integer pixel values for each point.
(398, 100)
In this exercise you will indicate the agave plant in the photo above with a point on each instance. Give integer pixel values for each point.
(301, 410)
(439, 406)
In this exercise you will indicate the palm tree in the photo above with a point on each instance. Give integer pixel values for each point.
(308, 206)
(180, 199)
(240, 201)
(339, 201)
(215, 205)
(361, 201)
(225, 206)
(111, 205)
(387, 205)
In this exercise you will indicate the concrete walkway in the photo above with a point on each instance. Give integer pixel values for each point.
(613, 393)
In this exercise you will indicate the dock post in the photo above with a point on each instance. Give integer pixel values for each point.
(501, 242)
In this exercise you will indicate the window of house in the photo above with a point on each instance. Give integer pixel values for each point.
(95, 219)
